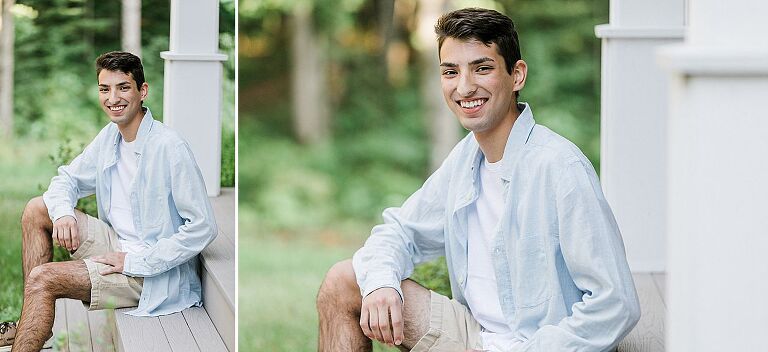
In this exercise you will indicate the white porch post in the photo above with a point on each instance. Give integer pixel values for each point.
(718, 179)
(192, 96)
(633, 122)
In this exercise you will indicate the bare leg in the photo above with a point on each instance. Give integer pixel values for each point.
(36, 243)
(339, 303)
(45, 283)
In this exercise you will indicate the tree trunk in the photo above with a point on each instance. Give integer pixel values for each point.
(311, 108)
(132, 26)
(386, 28)
(6, 68)
(443, 126)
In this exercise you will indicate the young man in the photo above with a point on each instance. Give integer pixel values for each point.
(535, 258)
(154, 216)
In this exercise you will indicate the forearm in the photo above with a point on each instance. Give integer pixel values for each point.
(172, 251)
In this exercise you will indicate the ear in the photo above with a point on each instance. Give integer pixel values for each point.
(144, 91)
(519, 74)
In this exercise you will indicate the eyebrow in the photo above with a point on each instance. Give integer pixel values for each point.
(119, 84)
(473, 62)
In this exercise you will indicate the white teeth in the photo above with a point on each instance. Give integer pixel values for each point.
(471, 104)
(116, 108)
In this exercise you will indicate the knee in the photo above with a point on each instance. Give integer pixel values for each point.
(34, 211)
(339, 284)
(40, 279)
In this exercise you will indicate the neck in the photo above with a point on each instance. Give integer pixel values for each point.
(130, 129)
(493, 142)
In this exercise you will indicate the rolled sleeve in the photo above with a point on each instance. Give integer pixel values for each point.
(410, 234)
(73, 181)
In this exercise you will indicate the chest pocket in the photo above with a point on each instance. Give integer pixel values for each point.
(154, 206)
(532, 286)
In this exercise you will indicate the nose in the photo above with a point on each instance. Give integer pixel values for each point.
(113, 97)
(466, 86)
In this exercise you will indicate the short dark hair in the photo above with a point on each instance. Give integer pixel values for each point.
(124, 62)
(487, 26)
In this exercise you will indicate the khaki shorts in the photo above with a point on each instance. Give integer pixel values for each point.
(107, 291)
(451, 327)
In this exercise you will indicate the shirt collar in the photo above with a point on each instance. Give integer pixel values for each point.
(517, 139)
(141, 134)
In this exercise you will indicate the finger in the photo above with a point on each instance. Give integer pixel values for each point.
(364, 323)
(396, 315)
(75, 236)
(101, 259)
(108, 270)
(386, 329)
(66, 238)
(373, 321)
(55, 236)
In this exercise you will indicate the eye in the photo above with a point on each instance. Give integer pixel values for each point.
(449, 72)
(485, 69)
(102, 90)
(125, 88)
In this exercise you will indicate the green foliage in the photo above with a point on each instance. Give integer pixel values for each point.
(23, 168)
(57, 42)
(434, 276)
(227, 157)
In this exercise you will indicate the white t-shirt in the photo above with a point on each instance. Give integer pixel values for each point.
(120, 214)
(481, 292)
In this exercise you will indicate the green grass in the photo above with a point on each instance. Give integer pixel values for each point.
(280, 274)
(278, 283)
(24, 167)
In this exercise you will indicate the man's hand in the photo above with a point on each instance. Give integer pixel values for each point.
(115, 259)
(65, 233)
(381, 316)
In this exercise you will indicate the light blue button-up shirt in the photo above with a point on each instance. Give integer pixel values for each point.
(171, 210)
(558, 257)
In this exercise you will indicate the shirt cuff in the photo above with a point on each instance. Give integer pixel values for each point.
(127, 265)
(374, 283)
(61, 212)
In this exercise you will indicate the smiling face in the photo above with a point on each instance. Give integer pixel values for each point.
(120, 98)
(477, 87)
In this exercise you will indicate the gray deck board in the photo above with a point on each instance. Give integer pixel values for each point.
(177, 331)
(661, 282)
(218, 276)
(205, 334)
(101, 327)
(60, 319)
(78, 330)
(224, 210)
(148, 334)
(648, 334)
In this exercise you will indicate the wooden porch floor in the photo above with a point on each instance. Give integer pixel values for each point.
(78, 330)
(648, 334)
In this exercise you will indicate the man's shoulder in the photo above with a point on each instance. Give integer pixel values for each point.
(163, 136)
(464, 149)
(547, 146)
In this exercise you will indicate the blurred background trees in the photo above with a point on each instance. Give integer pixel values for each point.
(341, 115)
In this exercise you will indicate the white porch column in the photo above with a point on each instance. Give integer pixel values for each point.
(633, 123)
(718, 179)
(192, 96)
